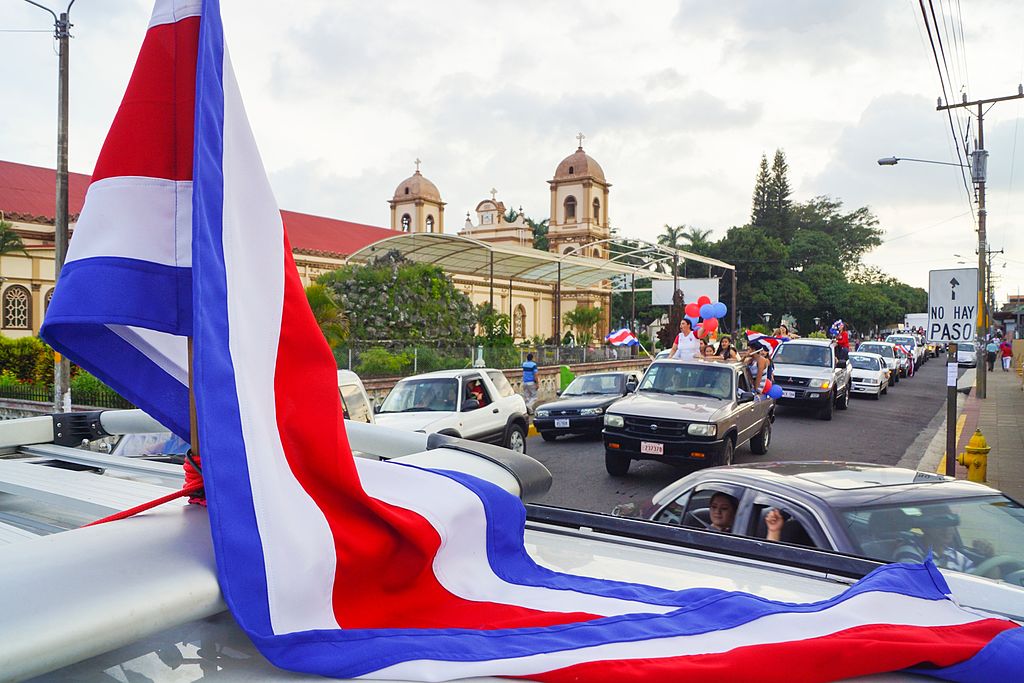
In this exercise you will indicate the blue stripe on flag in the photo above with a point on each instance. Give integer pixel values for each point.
(239, 554)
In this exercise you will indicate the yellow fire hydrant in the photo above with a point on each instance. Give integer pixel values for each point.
(975, 457)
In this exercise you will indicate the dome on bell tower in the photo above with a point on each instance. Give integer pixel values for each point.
(417, 186)
(416, 205)
(579, 165)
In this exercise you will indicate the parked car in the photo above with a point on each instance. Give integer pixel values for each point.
(967, 354)
(863, 509)
(692, 412)
(580, 408)
(477, 404)
(355, 403)
(909, 341)
(888, 353)
(870, 376)
(810, 375)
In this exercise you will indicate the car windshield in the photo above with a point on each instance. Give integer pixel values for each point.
(983, 535)
(906, 341)
(966, 346)
(594, 384)
(804, 354)
(422, 395)
(864, 362)
(885, 351)
(710, 380)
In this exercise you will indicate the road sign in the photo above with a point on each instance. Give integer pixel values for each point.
(952, 305)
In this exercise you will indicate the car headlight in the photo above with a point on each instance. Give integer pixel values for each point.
(702, 430)
(542, 413)
(820, 384)
(591, 411)
(872, 381)
(614, 421)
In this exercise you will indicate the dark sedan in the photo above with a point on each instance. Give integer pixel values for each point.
(580, 408)
(885, 513)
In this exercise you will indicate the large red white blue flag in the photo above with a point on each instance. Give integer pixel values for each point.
(372, 569)
(622, 337)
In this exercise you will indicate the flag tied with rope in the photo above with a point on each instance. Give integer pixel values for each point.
(622, 337)
(371, 569)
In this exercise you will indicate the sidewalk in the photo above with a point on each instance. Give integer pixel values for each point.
(1001, 419)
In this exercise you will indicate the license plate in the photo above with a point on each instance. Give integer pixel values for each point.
(652, 448)
(788, 394)
(561, 424)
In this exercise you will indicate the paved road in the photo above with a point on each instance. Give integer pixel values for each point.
(870, 431)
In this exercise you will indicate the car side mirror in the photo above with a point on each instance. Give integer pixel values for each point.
(376, 408)
(840, 363)
(744, 396)
(470, 404)
(558, 392)
(630, 387)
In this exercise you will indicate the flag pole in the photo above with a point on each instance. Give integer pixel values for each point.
(644, 350)
(193, 428)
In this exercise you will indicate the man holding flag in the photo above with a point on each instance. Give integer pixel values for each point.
(180, 276)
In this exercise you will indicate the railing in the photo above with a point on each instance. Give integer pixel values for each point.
(98, 398)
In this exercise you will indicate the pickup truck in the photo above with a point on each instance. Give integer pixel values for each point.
(811, 375)
(692, 412)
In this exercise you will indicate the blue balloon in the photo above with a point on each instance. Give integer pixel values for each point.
(720, 309)
(693, 321)
(775, 392)
(707, 311)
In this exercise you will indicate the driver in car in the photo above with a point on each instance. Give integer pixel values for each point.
(938, 536)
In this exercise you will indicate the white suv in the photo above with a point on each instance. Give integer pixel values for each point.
(477, 404)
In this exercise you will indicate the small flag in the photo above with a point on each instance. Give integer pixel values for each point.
(756, 339)
(622, 337)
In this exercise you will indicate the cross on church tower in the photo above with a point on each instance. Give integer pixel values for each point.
(581, 137)
(494, 194)
(418, 162)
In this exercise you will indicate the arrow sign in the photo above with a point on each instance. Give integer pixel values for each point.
(952, 318)
(953, 283)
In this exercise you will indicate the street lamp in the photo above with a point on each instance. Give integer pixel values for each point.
(892, 161)
(817, 323)
(767, 317)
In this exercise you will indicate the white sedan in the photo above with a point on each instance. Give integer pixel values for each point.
(967, 354)
(870, 375)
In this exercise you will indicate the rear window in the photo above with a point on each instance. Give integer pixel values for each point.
(354, 404)
(885, 351)
(500, 382)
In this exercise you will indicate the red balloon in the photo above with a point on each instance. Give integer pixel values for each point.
(701, 331)
(703, 300)
(693, 310)
(711, 324)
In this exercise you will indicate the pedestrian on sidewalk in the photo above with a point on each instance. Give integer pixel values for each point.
(529, 382)
(1006, 350)
(991, 349)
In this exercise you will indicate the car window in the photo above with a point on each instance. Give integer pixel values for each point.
(906, 341)
(354, 404)
(422, 395)
(704, 379)
(474, 387)
(742, 383)
(798, 526)
(864, 362)
(501, 383)
(804, 354)
(594, 385)
(885, 351)
(694, 508)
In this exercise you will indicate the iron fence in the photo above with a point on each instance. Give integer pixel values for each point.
(97, 398)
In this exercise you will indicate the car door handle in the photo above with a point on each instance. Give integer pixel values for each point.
(495, 411)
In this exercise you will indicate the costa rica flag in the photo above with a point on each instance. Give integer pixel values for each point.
(622, 337)
(354, 568)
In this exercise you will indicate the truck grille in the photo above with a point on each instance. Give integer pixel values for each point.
(560, 412)
(793, 381)
(647, 427)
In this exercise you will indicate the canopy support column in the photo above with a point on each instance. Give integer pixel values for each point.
(558, 306)
(733, 307)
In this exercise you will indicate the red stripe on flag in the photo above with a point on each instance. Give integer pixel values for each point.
(152, 133)
(854, 652)
(384, 575)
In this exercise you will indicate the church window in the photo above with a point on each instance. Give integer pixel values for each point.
(568, 249)
(407, 190)
(406, 222)
(570, 208)
(597, 209)
(46, 301)
(519, 322)
(430, 224)
(17, 308)
(571, 170)
(596, 253)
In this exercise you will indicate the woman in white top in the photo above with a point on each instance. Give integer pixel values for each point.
(686, 345)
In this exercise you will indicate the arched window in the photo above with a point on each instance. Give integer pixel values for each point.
(430, 224)
(570, 207)
(406, 222)
(596, 253)
(567, 249)
(571, 169)
(17, 308)
(519, 322)
(407, 190)
(597, 209)
(46, 301)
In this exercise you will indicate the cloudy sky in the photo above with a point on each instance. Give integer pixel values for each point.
(678, 100)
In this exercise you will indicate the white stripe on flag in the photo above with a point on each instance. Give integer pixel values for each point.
(128, 216)
(297, 541)
(168, 351)
(170, 11)
(860, 610)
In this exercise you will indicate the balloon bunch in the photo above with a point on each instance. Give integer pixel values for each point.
(703, 315)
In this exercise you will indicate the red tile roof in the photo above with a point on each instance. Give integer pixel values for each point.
(27, 194)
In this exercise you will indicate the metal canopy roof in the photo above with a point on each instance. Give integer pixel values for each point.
(468, 256)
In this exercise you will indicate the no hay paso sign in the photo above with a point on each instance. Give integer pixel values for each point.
(952, 305)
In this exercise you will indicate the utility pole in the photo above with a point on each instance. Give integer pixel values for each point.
(980, 159)
(62, 32)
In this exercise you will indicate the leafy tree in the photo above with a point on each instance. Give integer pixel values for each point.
(853, 234)
(697, 240)
(329, 314)
(672, 237)
(540, 233)
(494, 326)
(395, 299)
(582, 320)
(10, 241)
(511, 215)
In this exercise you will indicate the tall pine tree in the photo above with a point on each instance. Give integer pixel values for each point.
(780, 212)
(760, 210)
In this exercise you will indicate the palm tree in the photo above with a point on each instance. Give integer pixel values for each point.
(582, 321)
(697, 240)
(672, 237)
(10, 241)
(329, 314)
(540, 233)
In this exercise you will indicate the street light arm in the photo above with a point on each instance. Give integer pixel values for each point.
(892, 161)
(43, 7)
